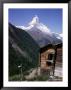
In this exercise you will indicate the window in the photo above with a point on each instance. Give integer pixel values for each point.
(49, 61)
(50, 56)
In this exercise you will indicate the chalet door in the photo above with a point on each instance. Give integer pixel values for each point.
(50, 63)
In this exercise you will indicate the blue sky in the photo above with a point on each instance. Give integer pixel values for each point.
(50, 17)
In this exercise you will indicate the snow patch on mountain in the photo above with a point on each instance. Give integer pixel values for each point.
(25, 28)
(57, 35)
(61, 35)
(34, 21)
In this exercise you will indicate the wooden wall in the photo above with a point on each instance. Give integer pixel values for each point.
(44, 57)
(44, 67)
(59, 55)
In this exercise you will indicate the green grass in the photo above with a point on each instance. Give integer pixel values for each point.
(39, 78)
(42, 78)
(16, 78)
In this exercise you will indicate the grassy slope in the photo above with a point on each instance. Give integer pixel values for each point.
(26, 43)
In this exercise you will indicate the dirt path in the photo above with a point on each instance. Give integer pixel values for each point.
(58, 73)
(32, 74)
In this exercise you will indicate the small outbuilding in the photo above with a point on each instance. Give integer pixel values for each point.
(50, 55)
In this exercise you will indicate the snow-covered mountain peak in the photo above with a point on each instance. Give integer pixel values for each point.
(34, 21)
(36, 24)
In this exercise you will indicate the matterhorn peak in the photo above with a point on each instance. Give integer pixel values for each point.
(34, 21)
(36, 24)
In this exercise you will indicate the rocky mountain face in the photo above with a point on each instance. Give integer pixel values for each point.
(41, 33)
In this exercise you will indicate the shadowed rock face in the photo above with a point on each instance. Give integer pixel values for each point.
(43, 39)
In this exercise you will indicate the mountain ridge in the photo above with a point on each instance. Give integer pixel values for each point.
(35, 23)
(41, 33)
